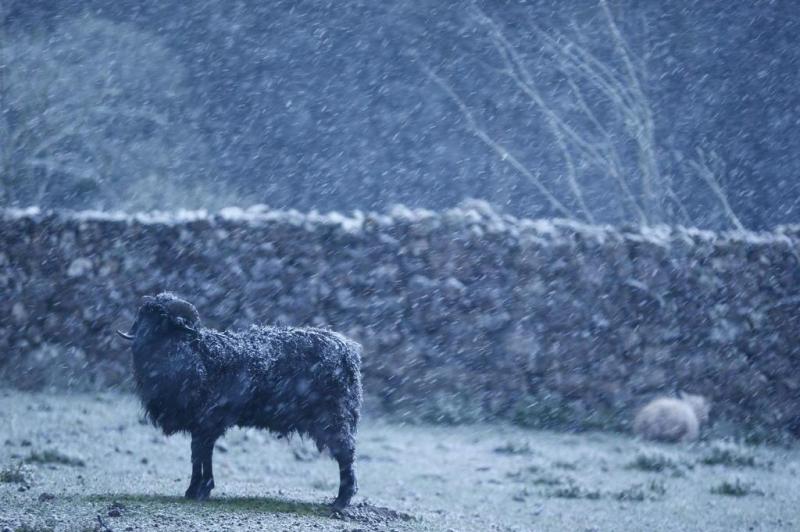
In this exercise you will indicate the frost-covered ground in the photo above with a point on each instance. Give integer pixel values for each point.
(88, 456)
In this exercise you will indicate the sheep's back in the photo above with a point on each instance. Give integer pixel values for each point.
(667, 419)
(287, 378)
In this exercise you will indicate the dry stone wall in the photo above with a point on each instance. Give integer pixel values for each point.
(463, 314)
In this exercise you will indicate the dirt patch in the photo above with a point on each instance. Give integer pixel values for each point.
(373, 516)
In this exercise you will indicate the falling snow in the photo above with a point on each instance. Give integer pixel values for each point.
(536, 218)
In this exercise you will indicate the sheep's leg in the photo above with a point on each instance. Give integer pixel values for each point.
(197, 473)
(348, 485)
(202, 473)
(197, 469)
(208, 474)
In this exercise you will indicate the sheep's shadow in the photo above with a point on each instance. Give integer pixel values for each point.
(222, 503)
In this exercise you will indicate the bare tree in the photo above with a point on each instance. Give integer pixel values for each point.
(602, 123)
(90, 113)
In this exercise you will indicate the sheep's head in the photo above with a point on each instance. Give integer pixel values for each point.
(163, 312)
(698, 403)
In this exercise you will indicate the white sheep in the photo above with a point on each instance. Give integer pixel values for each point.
(670, 419)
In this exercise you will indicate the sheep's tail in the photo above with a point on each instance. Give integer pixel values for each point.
(352, 351)
(353, 362)
(354, 370)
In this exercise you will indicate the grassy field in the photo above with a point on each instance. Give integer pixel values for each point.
(87, 463)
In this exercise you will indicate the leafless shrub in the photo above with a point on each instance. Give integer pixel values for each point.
(602, 122)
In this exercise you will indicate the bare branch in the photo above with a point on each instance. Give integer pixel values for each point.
(498, 148)
(609, 125)
(516, 69)
(576, 60)
(704, 170)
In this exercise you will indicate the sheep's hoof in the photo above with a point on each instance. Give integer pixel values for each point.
(204, 492)
(201, 491)
(341, 503)
(191, 491)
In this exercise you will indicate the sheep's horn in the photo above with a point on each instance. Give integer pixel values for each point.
(124, 335)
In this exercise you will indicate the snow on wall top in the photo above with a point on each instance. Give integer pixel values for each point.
(472, 214)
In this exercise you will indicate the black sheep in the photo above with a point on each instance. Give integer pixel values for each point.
(284, 379)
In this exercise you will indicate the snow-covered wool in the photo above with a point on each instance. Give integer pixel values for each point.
(671, 419)
(283, 379)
